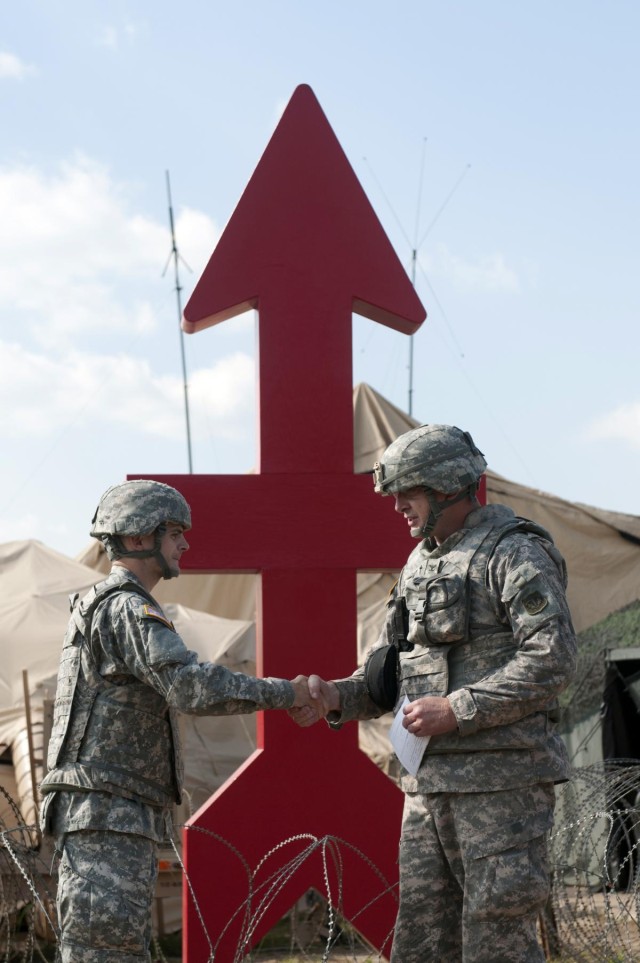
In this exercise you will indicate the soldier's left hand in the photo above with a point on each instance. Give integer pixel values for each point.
(429, 716)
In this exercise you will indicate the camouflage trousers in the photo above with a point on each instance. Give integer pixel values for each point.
(474, 875)
(106, 884)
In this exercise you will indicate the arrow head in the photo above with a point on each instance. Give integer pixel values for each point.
(304, 228)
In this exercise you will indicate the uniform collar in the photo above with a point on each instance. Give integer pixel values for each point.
(493, 514)
(119, 573)
(488, 513)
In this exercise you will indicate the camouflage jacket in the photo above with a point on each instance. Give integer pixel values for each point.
(491, 631)
(118, 689)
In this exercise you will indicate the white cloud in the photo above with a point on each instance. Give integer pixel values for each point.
(40, 396)
(12, 68)
(75, 258)
(224, 393)
(196, 237)
(623, 423)
(77, 218)
(489, 273)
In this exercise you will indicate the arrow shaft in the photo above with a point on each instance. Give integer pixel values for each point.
(305, 411)
(296, 609)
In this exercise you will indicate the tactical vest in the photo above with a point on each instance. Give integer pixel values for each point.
(116, 738)
(449, 650)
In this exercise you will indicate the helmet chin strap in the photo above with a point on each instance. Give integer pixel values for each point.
(118, 550)
(438, 508)
(156, 553)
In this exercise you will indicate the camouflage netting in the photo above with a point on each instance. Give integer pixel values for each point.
(620, 630)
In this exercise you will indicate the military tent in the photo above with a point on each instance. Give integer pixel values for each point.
(602, 548)
(215, 612)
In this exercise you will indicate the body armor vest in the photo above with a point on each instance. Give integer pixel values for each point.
(451, 646)
(116, 738)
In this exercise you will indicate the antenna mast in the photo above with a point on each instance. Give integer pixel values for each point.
(414, 256)
(417, 244)
(176, 257)
(411, 337)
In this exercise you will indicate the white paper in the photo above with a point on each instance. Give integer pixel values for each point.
(408, 748)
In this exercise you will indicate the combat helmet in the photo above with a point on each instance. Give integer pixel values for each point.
(138, 507)
(438, 458)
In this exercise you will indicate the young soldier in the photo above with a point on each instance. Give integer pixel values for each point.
(114, 758)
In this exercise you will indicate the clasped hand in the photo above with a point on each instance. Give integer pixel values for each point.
(314, 699)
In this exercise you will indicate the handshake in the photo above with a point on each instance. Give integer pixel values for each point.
(314, 699)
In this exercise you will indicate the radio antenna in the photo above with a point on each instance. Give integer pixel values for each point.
(176, 258)
(417, 244)
(414, 258)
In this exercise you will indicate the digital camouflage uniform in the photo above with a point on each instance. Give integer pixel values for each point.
(491, 630)
(115, 764)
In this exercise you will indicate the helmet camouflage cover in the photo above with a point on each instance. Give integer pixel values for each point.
(138, 507)
(439, 457)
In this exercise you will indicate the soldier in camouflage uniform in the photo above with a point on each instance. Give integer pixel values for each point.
(486, 646)
(114, 763)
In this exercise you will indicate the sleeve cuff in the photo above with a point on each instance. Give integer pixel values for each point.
(464, 709)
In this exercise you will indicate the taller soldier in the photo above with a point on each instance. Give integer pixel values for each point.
(114, 758)
(486, 646)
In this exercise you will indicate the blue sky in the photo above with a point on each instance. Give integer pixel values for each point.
(499, 138)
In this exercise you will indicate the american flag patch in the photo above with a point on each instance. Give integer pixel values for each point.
(149, 612)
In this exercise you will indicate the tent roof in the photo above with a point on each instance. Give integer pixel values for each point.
(29, 569)
(602, 548)
(35, 583)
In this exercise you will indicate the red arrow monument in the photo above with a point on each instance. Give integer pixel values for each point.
(305, 248)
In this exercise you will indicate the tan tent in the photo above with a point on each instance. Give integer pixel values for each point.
(602, 548)
(35, 583)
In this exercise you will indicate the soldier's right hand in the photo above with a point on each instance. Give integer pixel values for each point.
(327, 692)
(322, 698)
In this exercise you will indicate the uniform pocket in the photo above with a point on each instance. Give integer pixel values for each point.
(445, 615)
(424, 672)
(506, 859)
(507, 884)
(106, 886)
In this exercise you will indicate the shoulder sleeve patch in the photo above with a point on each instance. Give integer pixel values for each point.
(530, 599)
(150, 612)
